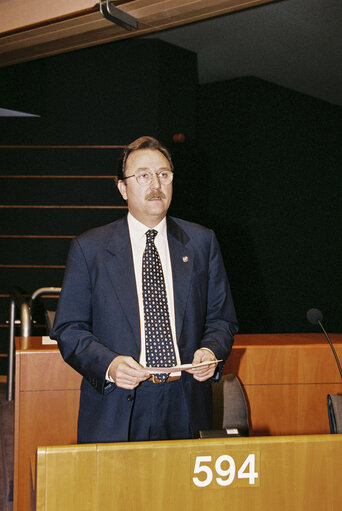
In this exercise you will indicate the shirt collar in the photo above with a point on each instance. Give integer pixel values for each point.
(137, 230)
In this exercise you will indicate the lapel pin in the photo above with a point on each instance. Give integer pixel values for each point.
(185, 259)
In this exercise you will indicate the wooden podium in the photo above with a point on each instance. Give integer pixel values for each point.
(268, 474)
(45, 408)
(286, 378)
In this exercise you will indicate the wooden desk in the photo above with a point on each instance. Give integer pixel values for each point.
(287, 378)
(290, 473)
(46, 408)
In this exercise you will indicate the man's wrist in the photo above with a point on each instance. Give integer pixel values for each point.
(213, 354)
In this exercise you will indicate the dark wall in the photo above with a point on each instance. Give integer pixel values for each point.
(260, 165)
(107, 95)
(274, 160)
(114, 92)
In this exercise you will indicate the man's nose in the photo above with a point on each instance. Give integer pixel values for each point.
(155, 183)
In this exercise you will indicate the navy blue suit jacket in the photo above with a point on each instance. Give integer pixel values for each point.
(98, 318)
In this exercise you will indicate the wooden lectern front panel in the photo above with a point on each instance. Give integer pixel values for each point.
(240, 474)
(286, 378)
(46, 408)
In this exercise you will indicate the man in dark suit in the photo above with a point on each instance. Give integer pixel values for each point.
(104, 327)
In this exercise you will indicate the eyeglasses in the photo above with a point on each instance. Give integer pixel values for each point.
(145, 177)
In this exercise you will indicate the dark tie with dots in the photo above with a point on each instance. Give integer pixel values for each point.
(158, 337)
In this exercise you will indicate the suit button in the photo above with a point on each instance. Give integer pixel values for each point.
(130, 397)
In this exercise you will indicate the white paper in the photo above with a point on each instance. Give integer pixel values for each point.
(46, 340)
(182, 367)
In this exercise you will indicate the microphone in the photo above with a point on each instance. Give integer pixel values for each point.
(314, 316)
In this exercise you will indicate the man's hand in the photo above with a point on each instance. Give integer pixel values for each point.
(205, 372)
(126, 372)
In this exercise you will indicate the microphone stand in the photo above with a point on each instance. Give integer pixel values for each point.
(332, 347)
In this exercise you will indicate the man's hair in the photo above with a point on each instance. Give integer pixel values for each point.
(136, 145)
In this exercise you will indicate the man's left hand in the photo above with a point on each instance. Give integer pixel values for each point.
(203, 373)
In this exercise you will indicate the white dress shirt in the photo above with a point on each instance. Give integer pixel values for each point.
(137, 233)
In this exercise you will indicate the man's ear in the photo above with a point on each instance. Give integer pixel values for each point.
(122, 189)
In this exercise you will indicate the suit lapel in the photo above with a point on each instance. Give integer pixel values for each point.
(182, 259)
(119, 263)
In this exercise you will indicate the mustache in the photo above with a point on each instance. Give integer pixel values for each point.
(155, 195)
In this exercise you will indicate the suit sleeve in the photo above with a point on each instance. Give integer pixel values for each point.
(221, 324)
(72, 329)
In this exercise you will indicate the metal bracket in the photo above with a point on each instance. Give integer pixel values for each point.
(117, 16)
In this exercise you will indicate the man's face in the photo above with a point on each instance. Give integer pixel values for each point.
(148, 204)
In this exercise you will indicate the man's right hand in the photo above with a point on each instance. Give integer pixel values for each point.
(126, 372)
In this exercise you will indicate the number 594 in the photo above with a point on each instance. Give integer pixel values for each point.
(224, 471)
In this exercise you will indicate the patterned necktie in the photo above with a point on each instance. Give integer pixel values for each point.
(158, 337)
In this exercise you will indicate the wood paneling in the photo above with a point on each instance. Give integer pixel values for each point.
(16, 15)
(46, 408)
(293, 473)
(286, 378)
(62, 377)
(88, 28)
